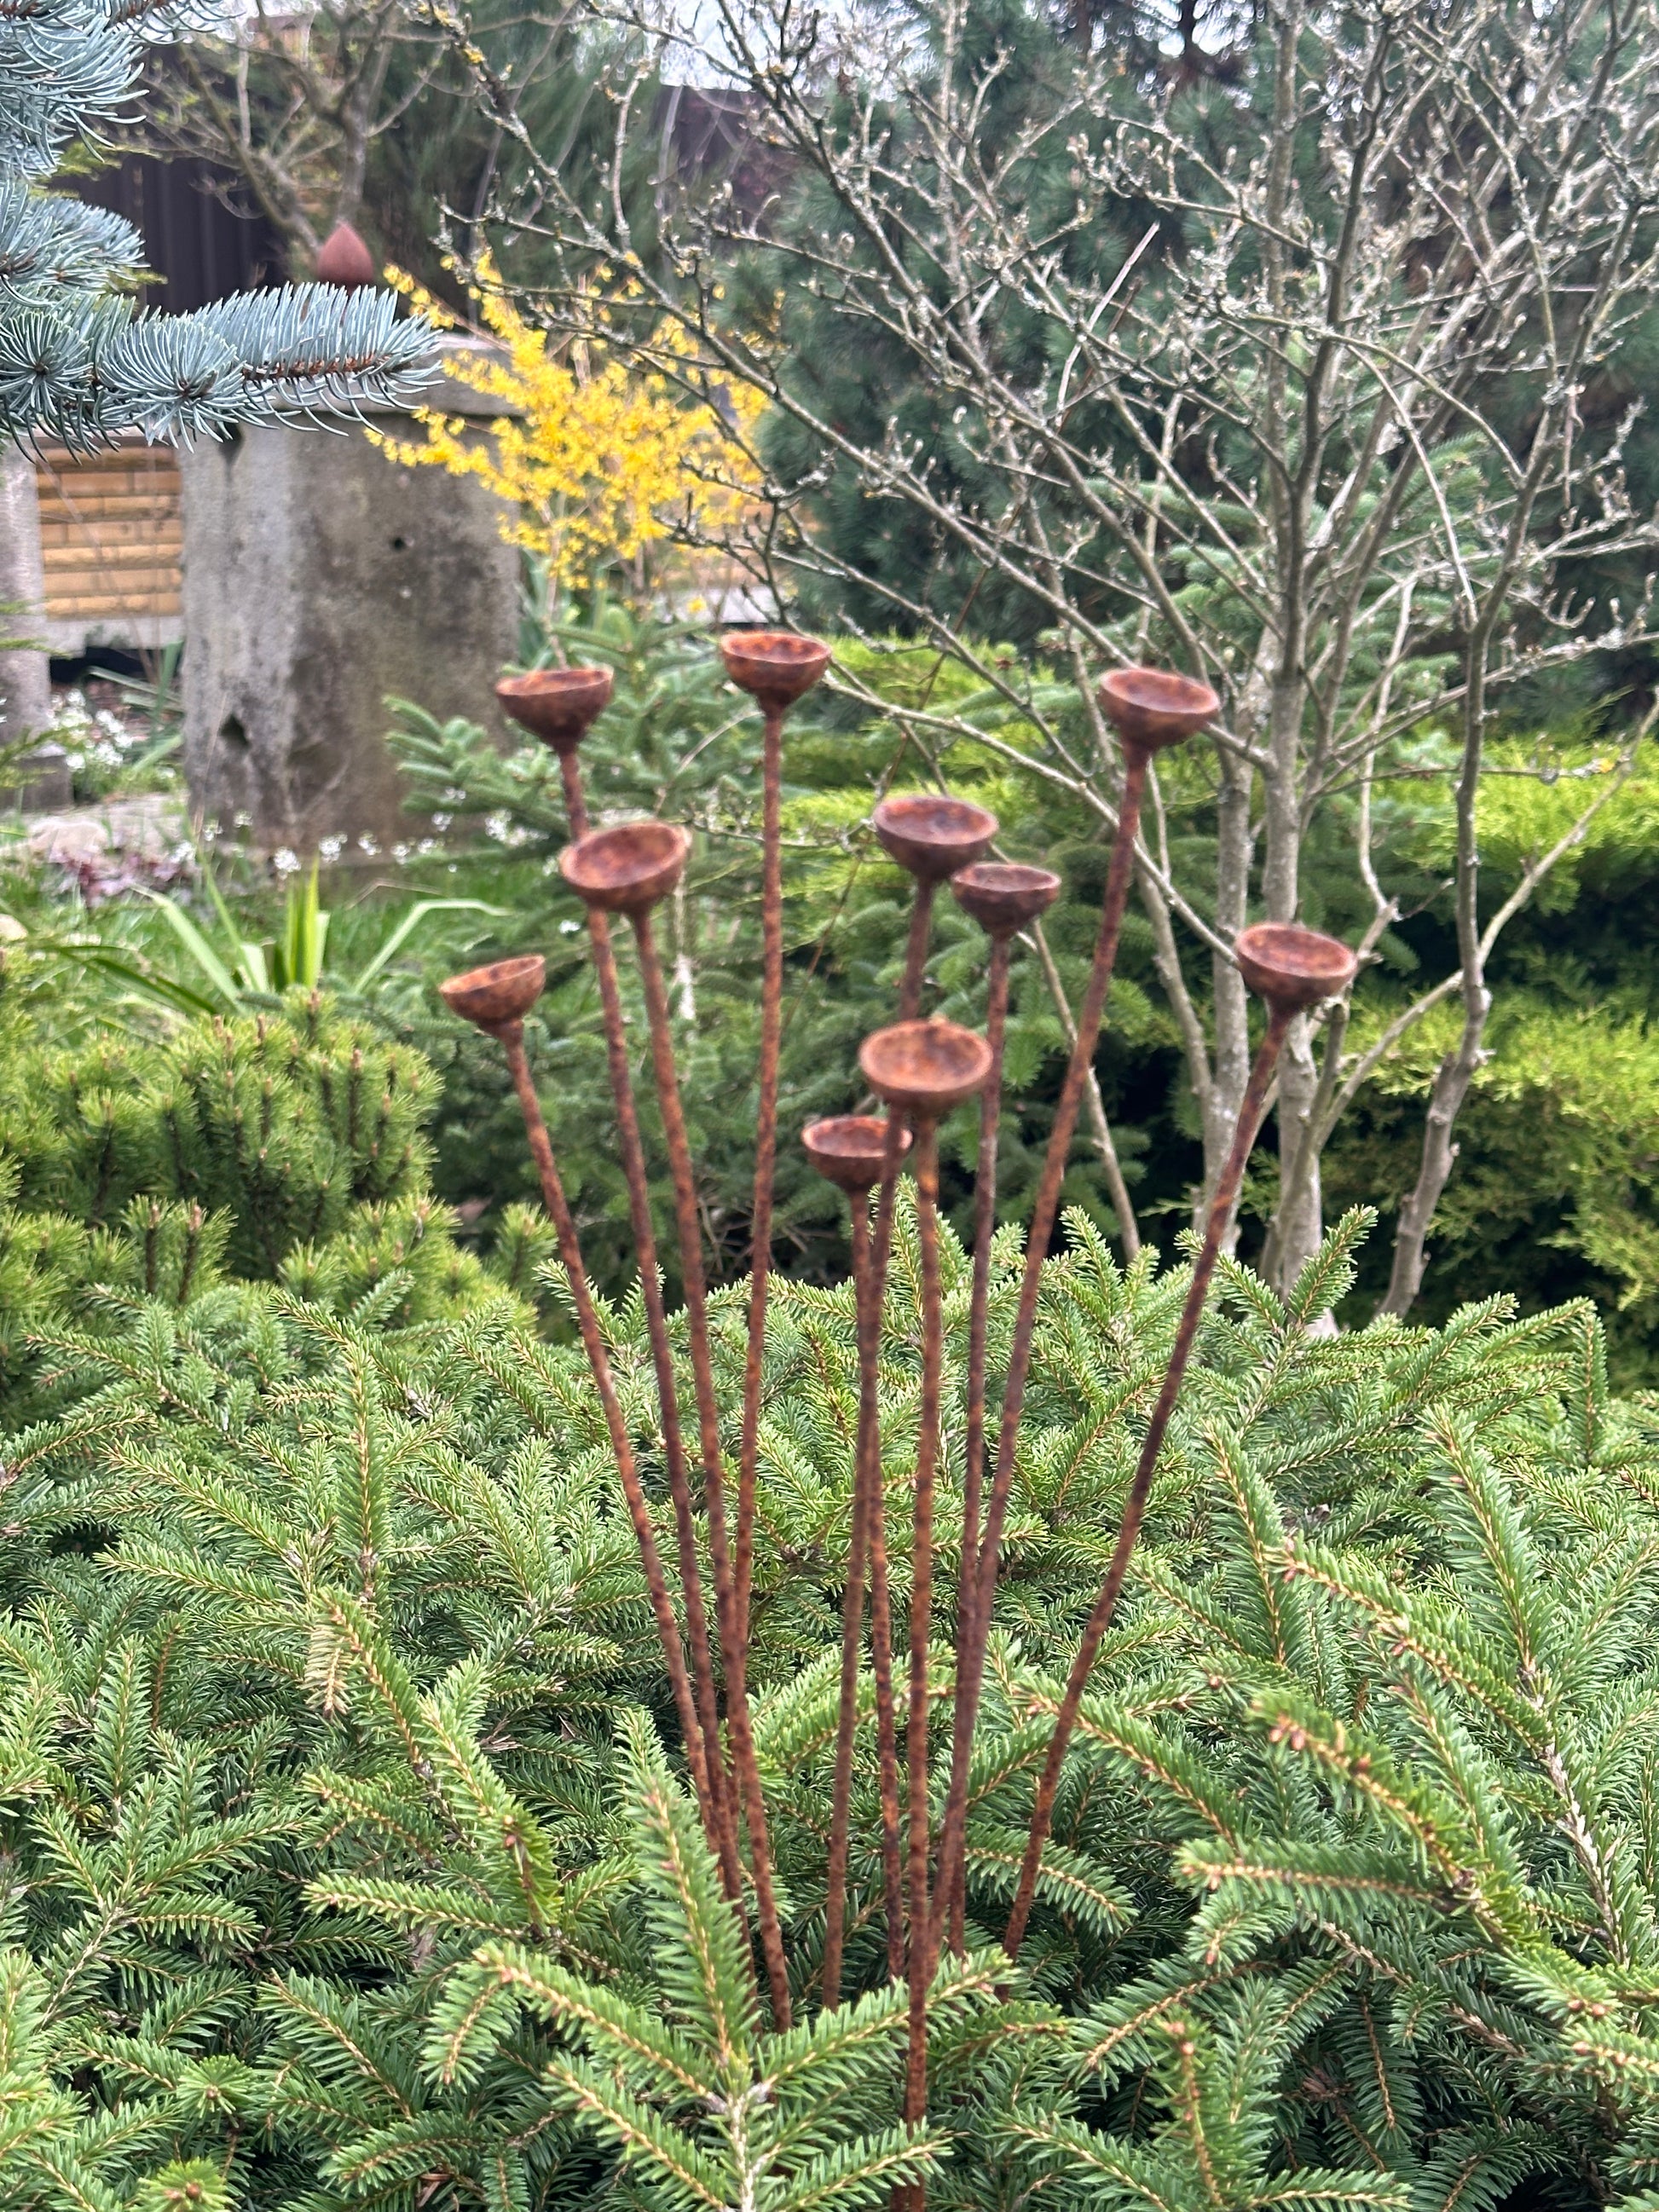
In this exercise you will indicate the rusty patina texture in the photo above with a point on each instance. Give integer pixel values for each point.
(848, 1152)
(776, 668)
(559, 706)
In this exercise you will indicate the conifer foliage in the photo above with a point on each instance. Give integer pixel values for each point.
(350, 1860)
(287, 1146)
(77, 362)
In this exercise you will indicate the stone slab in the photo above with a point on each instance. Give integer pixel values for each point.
(320, 578)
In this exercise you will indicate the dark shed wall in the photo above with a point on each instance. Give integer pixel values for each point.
(199, 248)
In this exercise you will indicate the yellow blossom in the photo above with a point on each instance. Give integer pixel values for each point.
(596, 462)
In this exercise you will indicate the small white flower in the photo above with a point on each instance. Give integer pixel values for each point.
(441, 821)
(286, 863)
(499, 826)
(330, 848)
(369, 845)
(568, 928)
(400, 853)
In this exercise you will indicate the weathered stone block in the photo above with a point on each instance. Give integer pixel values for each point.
(25, 682)
(320, 578)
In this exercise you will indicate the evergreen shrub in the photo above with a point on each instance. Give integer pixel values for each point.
(285, 1145)
(348, 1861)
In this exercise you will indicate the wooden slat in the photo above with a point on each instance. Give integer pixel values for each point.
(111, 534)
(133, 606)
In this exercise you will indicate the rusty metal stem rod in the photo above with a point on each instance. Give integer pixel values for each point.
(985, 1215)
(881, 1605)
(878, 1246)
(745, 1769)
(1226, 1197)
(766, 1148)
(916, 968)
(950, 1906)
(881, 1661)
(970, 1665)
(587, 1322)
(853, 1612)
(921, 1960)
(720, 1814)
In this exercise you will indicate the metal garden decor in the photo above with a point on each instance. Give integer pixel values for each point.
(919, 1070)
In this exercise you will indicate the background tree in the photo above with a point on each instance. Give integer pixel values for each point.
(1301, 369)
(354, 111)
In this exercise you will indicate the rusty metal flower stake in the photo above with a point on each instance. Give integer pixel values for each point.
(848, 1152)
(1292, 968)
(776, 669)
(495, 999)
(1003, 898)
(923, 1069)
(931, 835)
(559, 707)
(1150, 709)
(630, 870)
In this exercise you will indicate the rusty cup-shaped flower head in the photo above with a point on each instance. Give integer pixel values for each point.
(924, 1067)
(932, 834)
(557, 705)
(1004, 896)
(774, 666)
(1152, 708)
(496, 997)
(851, 1150)
(629, 869)
(1293, 967)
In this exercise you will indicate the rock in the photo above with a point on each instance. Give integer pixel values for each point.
(37, 780)
(319, 579)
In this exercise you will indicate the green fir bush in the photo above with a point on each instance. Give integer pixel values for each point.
(289, 1146)
(349, 1860)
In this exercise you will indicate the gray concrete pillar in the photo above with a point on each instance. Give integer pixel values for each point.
(319, 578)
(25, 677)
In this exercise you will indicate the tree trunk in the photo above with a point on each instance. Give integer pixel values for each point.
(1231, 1062)
(1451, 1085)
(1457, 1071)
(1295, 1239)
(1297, 1232)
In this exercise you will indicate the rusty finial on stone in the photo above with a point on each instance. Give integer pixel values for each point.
(345, 260)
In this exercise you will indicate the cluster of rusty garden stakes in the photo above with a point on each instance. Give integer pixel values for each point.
(920, 1069)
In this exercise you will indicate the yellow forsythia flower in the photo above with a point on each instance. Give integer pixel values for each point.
(596, 461)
